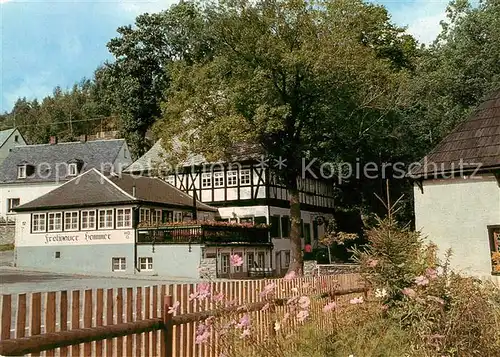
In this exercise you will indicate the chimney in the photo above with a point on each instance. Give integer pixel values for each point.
(133, 190)
(53, 140)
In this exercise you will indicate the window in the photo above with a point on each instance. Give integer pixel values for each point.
(167, 216)
(232, 178)
(250, 260)
(156, 216)
(245, 177)
(315, 230)
(58, 254)
(261, 258)
(224, 263)
(88, 219)
(177, 216)
(206, 180)
(260, 220)
(275, 227)
(119, 264)
(285, 226)
(307, 233)
(105, 218)
(145, 215)
(12, 203)
(287, 259)
(219, 179)
(38, 224)
(21, 171)
(16, 138)
(70, 221)
(72, 170)
(55, 221)
(123, 218)
(494, 233)
(146, 263)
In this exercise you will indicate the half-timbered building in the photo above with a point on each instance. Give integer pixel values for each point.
(246, 189)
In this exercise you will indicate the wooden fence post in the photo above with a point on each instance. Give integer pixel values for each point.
(168, 327)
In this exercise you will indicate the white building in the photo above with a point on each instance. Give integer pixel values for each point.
(30, 171)
(8, 140)
(245, 191)
(457, 192)
(98, 223)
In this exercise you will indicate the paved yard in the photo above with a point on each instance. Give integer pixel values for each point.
(15, 281)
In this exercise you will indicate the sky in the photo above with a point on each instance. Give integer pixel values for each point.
(48, 43)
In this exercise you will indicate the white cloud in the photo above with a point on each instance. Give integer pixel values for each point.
(422, 18)
(31, 87)
(141, 6)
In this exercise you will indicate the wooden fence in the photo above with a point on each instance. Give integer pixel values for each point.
(135, 322)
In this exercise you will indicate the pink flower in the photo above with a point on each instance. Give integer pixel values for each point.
(290, 275)
(435, 299)
(409, 292)
(265, 307)
(431, 273)
(358, 300)
(421, 280)
(244, 322)
(245, 333)
(286, 316)
(173, 309)
(372, 263)
(202, 334)
(304, 302)
(329, 307)
(268, 289)
(302, 315)
(235, 260)
(218, 297)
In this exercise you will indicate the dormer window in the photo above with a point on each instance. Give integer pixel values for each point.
(72, 169)
(21, 172)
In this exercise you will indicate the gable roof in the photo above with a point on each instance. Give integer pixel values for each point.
(93, 189)
(474, 142)
(156, 158)
(49, 160)
(5, 134)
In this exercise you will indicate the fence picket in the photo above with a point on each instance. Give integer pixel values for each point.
(99, 318)
(87, 320)
(63, 318)
(129, 338)
(6, 317)
(50, 317)
(138, 317)
(21, 316)
(119, 320)
(154, 334)
(147, 309)
(75, 319)
(109, 319)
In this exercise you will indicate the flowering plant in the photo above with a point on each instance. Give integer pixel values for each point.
(203, 224)
(495, 259)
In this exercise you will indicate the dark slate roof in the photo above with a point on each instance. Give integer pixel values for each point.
(93, 188)
(474, 142)
(49, 159)
(157, 157)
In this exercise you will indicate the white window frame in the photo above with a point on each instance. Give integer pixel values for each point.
(218, 178)
(206, 180)
(55, 228)
(142, 215)
(178, 216)
(72, 169)
(41, 220)
(245, 177)
(73, 225)
(118, 264)
(121, 218)
(10, 206)
(232, 178)
(87, 216)
(263, 256)
(250, 262)
(286, 261)
(156, 216)
(224, 263)
(146, 263)
(108, 221)
(21, 172)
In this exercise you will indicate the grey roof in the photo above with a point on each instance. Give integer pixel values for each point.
(92, 189)
(156, 159)
(49, 160)
(5, 134)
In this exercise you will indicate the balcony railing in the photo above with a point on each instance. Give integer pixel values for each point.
(204, 234)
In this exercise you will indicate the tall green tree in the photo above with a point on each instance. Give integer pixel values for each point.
(291, 76)
(135, 83)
